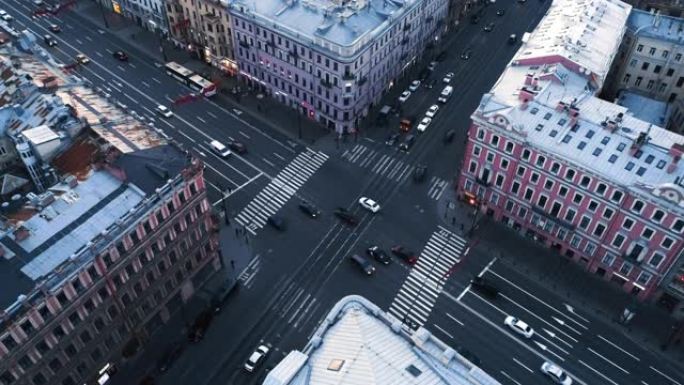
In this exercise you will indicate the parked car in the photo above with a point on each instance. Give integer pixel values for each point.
(557, 374)
(277, 222)
(379, 254)
(237, 147)
(82, 59)
(512, 39)
(405, 254)
(500, 12)
(120, 55)
(404, 96)
(309, 209)
(170, 356)
(164, 111)
(432, 65)
(414, 85)
(484, 287)
(432, 111)
(407, 143)
(519, 327)
(419, 173)
(55, 28)
(369, 204)
(488, 28)
(363, 263)
(256, 358)
(423, 125)
(346, 216)
(392, 139)
(448, 77)
(466, 54)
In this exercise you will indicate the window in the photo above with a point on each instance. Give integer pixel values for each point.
(585, 182)
(509, 147)
(643, 278)
(542, 201)
(667, 243)
(472, 168)
(548, 185)
(656, 260)
(626, 78)
(584, 222)
(640, 48)
(658, 215)
(626, 268)
(678, 57)
(499, 180)
(480, 134)
(590, 134)
(504, 164)
(644, 65)
(581, 145)
(522, 212)
(577, 198)
(638, 81)
(664, 54)
(627, 224)
(534, 178)
(669, 72)
(553, 133)
(596, 152)
(515, 187)
(618, 240)
(617, 196)
(555, 167)
(9, 342)
(548, 116)
(633, 63)
(652, 51)
(528, 194)
(477, 150)
(599, 230)
(608, 213)
(601, 188)
(605, 140)
(569, 174)
(540, 161)
(593, 205)
(661, 164)
(612, 158)
(590, 248)
(647, 233)
(495, 140)
(563, 191)
(637, 206)
(570, 215)
(608, 259)
(526, 154)
(534, 111)
(621, 147)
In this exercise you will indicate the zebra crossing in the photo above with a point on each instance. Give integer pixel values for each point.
(378, 163)
(436, 187)
(420, 290)
(280, 190)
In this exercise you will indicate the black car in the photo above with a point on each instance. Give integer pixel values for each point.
(49, 40)
(500, 12)
(449, 136)
(466, 54)
(407, 143)
(55, 28)
(120, 55)
(170, 357)
(392, 139)
(237, 147)
(488, 28)
(405, 254)
(277, 222)
(346, 216)
(419, 173)
(379, 255)
(485, 288)
(363, 263)
(474, 19)
(309, 209)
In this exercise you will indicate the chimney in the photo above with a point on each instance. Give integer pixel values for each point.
(535, 82)
(574, 111)
(528, 79)
(560, 106)
(676, 152)
(611, 125)
(526, 95)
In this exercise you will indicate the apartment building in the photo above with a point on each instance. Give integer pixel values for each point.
(551, 160)
(204, 27)
(148, 14)
(332, 60)
(665, 7)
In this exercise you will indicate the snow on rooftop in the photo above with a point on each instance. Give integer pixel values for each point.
(657, 26)
(40, 134)
(644, 108)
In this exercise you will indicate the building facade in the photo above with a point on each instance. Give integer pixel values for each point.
(551, 160)
(204, 27)
(149, 14)
(666, 7)
(332, 60)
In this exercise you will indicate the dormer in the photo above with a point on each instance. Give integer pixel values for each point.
(675, 152)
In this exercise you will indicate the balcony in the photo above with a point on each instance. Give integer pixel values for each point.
(326, 83)
(560, 222)
(632, 257)
(348, 76)
(363, 80)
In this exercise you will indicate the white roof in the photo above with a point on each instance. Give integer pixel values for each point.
(40, 134)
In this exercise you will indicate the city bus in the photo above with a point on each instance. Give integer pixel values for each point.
(178, 72)
(202, 85)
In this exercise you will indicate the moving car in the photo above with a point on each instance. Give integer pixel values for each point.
(277, 222)
(423, 125)
(38, 3)
(49, 40)
(369, 204)
(500, 12)
(309, 209)
(419, 173)
(164, 111)
(407, 143)
(557, 374)
(379, 254)
(414, 85)
(519, 326)
(256, 358)
(482, 286)
(170, 356)
(405, 254)
(55, 28)
(512, 38)
(83, 59)
(346, 216)
(238, 147)
(392, 139)
(432, 65)
(432, 111)
(466, 54)
(219, 148)
(120, 55)
(404, 96)
(363, 263)
(488, 28)
(448, 77)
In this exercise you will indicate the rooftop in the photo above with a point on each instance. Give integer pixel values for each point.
(657, 26)
(644, 108)
(359, 344)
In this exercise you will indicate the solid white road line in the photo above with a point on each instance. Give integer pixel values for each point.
(607, 360)
(599, 373)
(156, 80)
(489, 265)
(509, 377)
(665, 375)
(443, 331)
(168, 124)
(212, 114)
(121, 68)
(268, 162)
(243, 134)
(278, 156)
(201, 120)
(618, 348)
(523, 365)
(463, 293)
(190, 139)
(146, 84)
(455, 320)
(539, 318)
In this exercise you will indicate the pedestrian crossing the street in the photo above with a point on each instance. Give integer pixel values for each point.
(280, 190)
(420, 290)
(436, 187)
(378, 163)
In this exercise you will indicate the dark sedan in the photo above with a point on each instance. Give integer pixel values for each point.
(120, 55)
(405, 254)
(309, 209)
(346, 216)
(379, 254)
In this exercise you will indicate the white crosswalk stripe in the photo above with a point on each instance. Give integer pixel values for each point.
(422, 286)
(378, 164)
(436, 187)
(280, 189)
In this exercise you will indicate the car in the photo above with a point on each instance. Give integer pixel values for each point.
(432, 111)
(277, 222)
(414, 85)
(37, 3)
(309, 209)
(407, 143)
(346, 216)
(82, 59)
(237, 147)
(219, 149)
(170, 356)
(379, 254)
(512, 39)
(419, 173)
(466, 54)
(484, 287)
(405, 254)
(49, 40)
(488, 28)
(256, 358)
(392, 139)
(519, 326)
(557, 374)
(369, 204)
(500, 12)
(55, 28)
(449, 136)
(164, 111)
(363, 263)
(120, 55)
(404, 96)
(423, 125)
(448, 77)
(432, 65)
(6, 16)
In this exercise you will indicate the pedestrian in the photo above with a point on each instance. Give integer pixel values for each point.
(453, 221)
(232, 264)
(237, 231)
(461, 226)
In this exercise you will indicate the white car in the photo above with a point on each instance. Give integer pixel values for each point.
(432, 111)
(5, 16)
(404, 96)
(256, 358)
(556, 373)
(414, 85)
(448, 77)
(519, 326)
(83, 59)
(164, 111)
(423, 125)
(369, 204)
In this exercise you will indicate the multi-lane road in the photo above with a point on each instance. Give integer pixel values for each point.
(298, 274)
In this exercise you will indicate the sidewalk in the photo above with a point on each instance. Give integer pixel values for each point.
(649, 327)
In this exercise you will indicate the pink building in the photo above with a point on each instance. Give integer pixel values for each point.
(579, 174)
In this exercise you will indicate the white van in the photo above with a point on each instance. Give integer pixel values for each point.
(219, 148)
(446, 93)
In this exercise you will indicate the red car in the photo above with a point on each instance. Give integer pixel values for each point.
(405, 254)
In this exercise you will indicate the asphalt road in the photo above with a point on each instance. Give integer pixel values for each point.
(298, 274)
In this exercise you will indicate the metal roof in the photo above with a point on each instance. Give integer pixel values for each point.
(657, 26)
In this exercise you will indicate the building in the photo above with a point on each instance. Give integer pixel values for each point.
(665, 7)
(548, 158)
(96, 262)
(357, 343)
(332, 60)
(148, 14)
(203, 26)
(651, 62)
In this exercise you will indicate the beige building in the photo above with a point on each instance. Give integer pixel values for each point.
(203, 26)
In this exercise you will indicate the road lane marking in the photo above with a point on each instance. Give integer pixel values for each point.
(523, 365)
(243, 134)
(268, 162)
(443, 331)
(79, 41)
(212, 114)
(489, 265)
(455, 320)
(146, 84)
(279, 156)
(607, 360)
(201, 120)
(167, 123)
(619, 348)
(188, 138)
(539, 318)
(463, 293)
(509, 377)
(301, 306)
(572, 310)
(131, 64)
(99, 54)
(156, 80)
(599, 373)
(121, 68)
(665, 375)
(89, 38)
